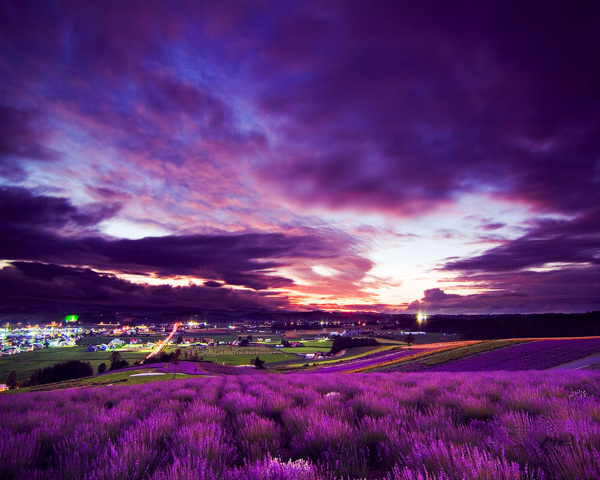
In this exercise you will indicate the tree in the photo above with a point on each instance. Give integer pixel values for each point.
(115, 357)
(116, 361)
(249, 338)
(11, 381)
(175, 361)
(101, 368)
(243, 343)
(257, 362)
(341, 343)
(409, 339)
(179, 340)
(59, 372)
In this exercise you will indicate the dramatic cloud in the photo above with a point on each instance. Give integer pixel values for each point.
(561, 290)
(554, 267)
(19, 141)
(32, 225)
(408, 108)
(345, 153)
(557, 241)
(38, 285)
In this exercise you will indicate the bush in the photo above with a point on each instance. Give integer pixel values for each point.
(101, 368)
(341, 343)
(119, 364)
(60, 372)
(257, 362)
(11, 381)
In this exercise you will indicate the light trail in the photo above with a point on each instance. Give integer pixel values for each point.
(162, 344)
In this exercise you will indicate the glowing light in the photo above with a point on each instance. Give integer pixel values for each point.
(71, 318)
(421, 317)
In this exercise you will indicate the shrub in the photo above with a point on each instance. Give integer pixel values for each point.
(11, 381)
(60, 372)
(341, 343)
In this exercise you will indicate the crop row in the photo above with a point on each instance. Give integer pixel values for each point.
(467, 351)
(395, 426)
(408, 356)
(536, 355)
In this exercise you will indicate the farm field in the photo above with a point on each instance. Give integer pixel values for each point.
(131, 377)
(536, 355)
(492, 355)
(28, 362)
(534, 425)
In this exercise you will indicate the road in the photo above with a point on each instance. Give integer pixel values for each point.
(577, 364)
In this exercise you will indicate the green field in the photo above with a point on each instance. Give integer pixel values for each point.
(233, 355)
(106, 339)
(244, 359)
(28, 362)
(118, 378)
(310, 347)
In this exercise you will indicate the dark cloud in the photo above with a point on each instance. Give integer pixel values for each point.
(38, 285)
(395, 108)
(568, 289)
(552, 241)
(404, 108)
(553, 267)
(436, 295)
(20, 141)
(493, 226)
(20, 209)
(117, 77)
(32, 231)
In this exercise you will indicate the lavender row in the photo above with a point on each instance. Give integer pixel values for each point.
(371, 360)
(538, 355)
(538, 425)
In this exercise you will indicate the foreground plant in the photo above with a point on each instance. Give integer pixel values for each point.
(529, 426)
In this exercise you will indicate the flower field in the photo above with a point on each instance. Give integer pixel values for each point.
(538, 355)
(535, 425)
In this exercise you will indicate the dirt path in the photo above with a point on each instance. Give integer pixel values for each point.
(577, 364)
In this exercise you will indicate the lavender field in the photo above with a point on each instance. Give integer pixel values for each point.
(538, 355)
(534, 425)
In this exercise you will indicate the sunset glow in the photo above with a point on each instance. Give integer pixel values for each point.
(391, 157)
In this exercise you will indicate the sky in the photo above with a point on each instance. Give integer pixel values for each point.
(388, 156)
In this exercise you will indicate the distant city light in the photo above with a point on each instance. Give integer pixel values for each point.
(162, 344)
(71, 318)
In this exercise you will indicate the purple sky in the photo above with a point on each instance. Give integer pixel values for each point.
(388, 156)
